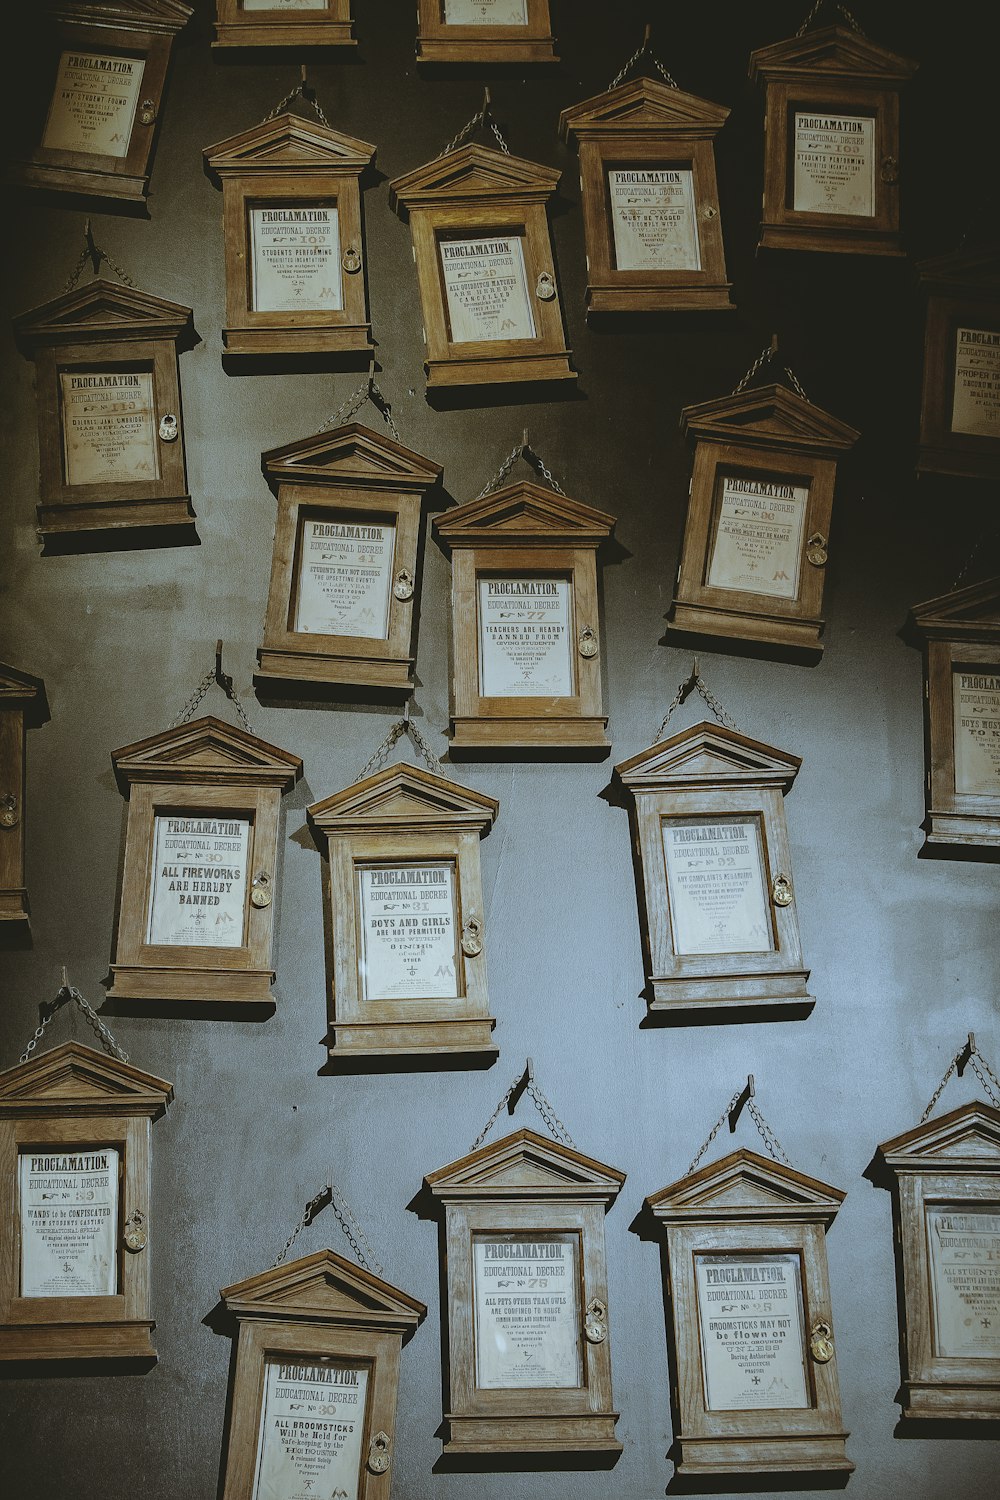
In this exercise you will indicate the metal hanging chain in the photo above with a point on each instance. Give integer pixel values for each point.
(978, 545)
(645, 50)
(525, 451)
(345, 1217)
(526, 1081)
(774, 1148)
(405, 725)
(369, 391)
(842, 10)
(302, 90)
(95, 254)
(764, 357)
(70, 992)
(693, 682)
(225, 682)
(484, 117)
(968, 1055)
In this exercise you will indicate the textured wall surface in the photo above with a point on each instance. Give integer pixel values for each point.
(903, 950)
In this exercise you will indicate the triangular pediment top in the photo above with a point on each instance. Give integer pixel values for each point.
(528, 1165)
(970, 1132)
(323, 1286)
(134, 15)
(101, 306)
(209, 751)
(963, 271)
(524, 511)
(474, 171)
(20, 689)
(355, 454)
(404, 795)
(771, 415)
(709, 754)
(832, 50)
(645, 105)
(75, 1078)
(745, 1181)
(976, 608)
(289, 140)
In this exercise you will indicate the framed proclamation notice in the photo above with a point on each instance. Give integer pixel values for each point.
(944, 1177)
(100, 97)
(713, 869)
(528, 1357)
(960, 401)
(485, 268)
(831, 161)
(284, 23)
(75, 1189)
(408, 959)
(485, 31)
(317, 1371)
(757, 535)
(755, 1387)
(23, 704)
(201, 851)
(525, 626)
(345, 569)
(650, 199)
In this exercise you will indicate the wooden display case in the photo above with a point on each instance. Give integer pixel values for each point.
(960, 399)
(22, 703)
(485, 31)
(284, 23)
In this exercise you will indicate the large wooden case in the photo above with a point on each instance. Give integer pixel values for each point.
(22, 702)
(308, 23)
(960, 398)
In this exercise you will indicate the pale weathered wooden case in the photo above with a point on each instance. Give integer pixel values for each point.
(399, 815)
(326, 24)
(107, 327)
(525, 529)
(204, 768)
(75, 1098)
(952, 1162)
(22, 702)
(764, 433)
(644, 124)
(709, 771)
(738, 1204)
(525, 1184)
(440, 40)
(355, 474)
(961, 292)
(832, 71)
(961, 635)
(108, 28)
(320, 1306)
(282, 163)
(478, 192)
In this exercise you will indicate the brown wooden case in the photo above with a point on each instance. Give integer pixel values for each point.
(740, 1205)
(354, 476)
(404, 815)
(107, 328)
(765, 435)
(525, 530)
(328, 23)
(319, 1308)
(291, 162)
(706, 773)
(526, 1186)
(526, 37)
(644, 125)
(961, 360)
(75, 1098)
(961, 636)
(949, 1165)
(22, 702)
(478, 192)
(118, 31)
(831, 72)
(203, 769)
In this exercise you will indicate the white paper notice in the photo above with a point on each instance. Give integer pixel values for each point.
(296, 258)
(69, 1222)
(715, 886)
(752, 1344)
(109, 436)
(757, 546)
(653, 215)
(976, 699)
(976, 407)
(93, 104)
(345, 577)
(524, 638)
(486, 12)
(527, 1312)
(312, 1425)
(834, 165)
(965, 1279)
(285, 4)
(199, 880)
(487, 290)
(406, 948)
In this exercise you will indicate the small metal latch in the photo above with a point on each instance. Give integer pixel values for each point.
(402, 585)
(596, 1324)
(136, 1232)
(10, 811)
(709, 211)
(147, 112)
(472, 938)
(821, 1343)
(351, 261)
(545, 287)
(379, 1457)
(781, 891)
(261, 893)
(889, 172)
(817, 549)
(169, 430)
(587, 644)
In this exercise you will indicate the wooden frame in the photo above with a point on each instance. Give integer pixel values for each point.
(320, 1309)
(527, 1187)
(75, 1099)
(22, 702)
(640, 127)
(209, 771)
(348, 477)
(780, 445)
(288, 23)
(949, 1164)
(123, 33)
(746, 1206)
(960, 632)
(403, 816)
(469, 196)
(713, 776)
(291, 164)
(832, 73)
(108, 331)
(529, 534)
(960, 399)
(440, 40)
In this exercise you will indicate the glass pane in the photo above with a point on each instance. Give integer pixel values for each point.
(93, 103)
(344, 577)
(295, 257)
(311, 1435)
(486, 288)
(834, 169)
(199, 880)
(752, 1343)
(976, 708)
(976, 405)
(108, 426)
(486, 12)
(527, 1311)
(653, 219)
(715, 885)
(407, 947)
(964, 1240)
(524, 638)
(69, 1221)
(757, 541)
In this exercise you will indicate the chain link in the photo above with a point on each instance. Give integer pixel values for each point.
(774, 1148)
(356, 1236)
(303, 91)
(696, 681)
(70, 992)
(978, 545)
(225, 682)
(764, 357)
(842, 10)
(95, 253)
(369, 391)
(979, 1066)
(555, 1126)
(523, 450)
(483, 117)
(396, 733)
(643, 51)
